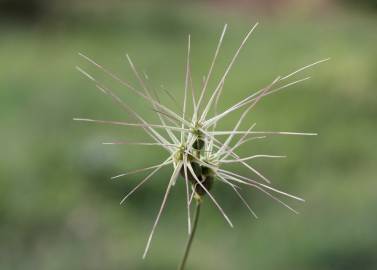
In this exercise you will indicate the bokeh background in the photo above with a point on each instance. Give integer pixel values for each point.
(60, 210)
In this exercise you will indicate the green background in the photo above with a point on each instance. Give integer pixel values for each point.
(60, 210)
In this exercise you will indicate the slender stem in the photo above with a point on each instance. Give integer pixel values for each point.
(191, 237)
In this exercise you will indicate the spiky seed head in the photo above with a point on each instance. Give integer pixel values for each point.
(199, 155)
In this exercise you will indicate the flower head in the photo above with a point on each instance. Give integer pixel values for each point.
(197, 151)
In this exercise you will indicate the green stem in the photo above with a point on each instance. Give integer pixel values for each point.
(191, 237)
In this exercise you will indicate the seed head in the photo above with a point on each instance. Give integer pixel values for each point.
(197, 151)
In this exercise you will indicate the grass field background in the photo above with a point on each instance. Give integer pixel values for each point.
(60, 210)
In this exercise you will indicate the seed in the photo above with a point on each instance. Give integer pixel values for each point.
(198, 144)
(203, 174)
(197, 170)
(207, 183)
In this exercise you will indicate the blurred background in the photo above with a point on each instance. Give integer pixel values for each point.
(60, 210)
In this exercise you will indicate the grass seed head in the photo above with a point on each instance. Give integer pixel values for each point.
(201, 152)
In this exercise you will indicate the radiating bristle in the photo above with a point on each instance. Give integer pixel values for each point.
(206, 79)
(222, 80)
(172, 179)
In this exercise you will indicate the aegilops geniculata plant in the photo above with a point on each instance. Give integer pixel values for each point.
(196, 149)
